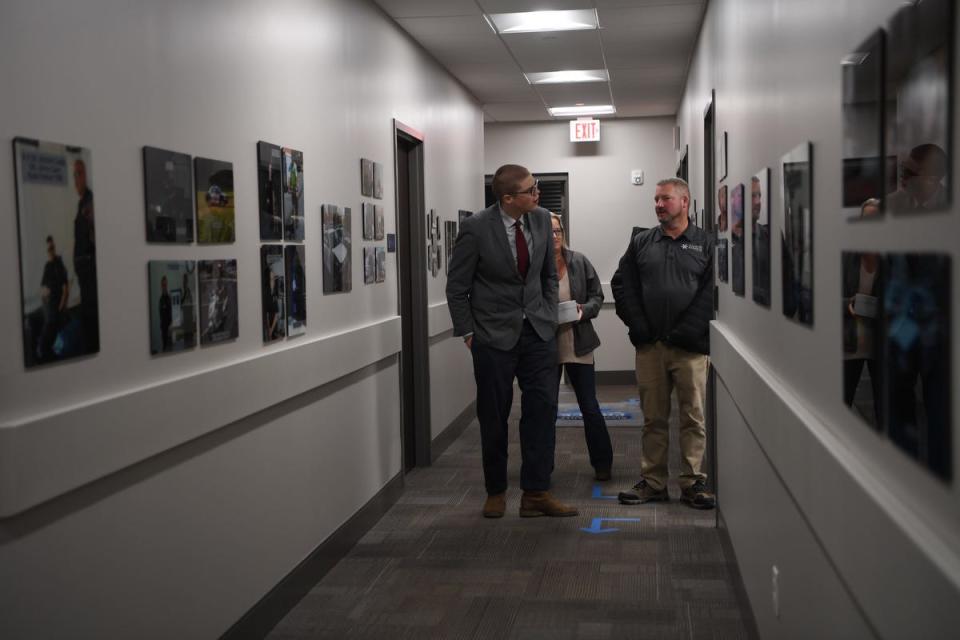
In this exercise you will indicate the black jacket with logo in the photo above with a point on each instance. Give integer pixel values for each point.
(663, 288)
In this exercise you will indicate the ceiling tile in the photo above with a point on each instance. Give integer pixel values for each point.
(629, 4)
(567, 95)
(651, 16)
(491, 82)
(457, 39)
(666, 74)
(640, 108)
(516, 111)
(556, 50)
(428, 8)
(626, 50)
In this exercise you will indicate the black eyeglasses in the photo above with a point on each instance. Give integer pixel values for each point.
(557, 232)
(532, 190)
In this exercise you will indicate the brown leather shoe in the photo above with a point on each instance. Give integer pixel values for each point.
(495, 506)
(541, 503)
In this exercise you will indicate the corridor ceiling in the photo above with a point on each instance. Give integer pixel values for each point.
(645, 46)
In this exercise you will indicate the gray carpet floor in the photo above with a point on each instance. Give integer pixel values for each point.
(434, 568)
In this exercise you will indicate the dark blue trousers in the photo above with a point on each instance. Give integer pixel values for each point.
(584, 381)
(533, 363)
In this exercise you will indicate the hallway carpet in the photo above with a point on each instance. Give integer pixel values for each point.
(434, 568)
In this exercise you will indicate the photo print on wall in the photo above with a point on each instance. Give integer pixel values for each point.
(919, 85)
(58, 257)
(723, 270)
(377, 180)
(272, 286)
(270, 190)
(366, 177)
(337, 276)
(917, 370)
(864, 167)
(450, 228)
(296, 291)
(796, 234)
(369, 265)
(738, 246)
(381, 264)
(218, 301)
(862, 282)
(213, 181)
(369, 222)
(168, 193)
(293, 218)
(378, 222)
(760, 236)
(722, 209)
(173, 305)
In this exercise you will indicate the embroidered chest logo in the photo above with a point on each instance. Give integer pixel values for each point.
(691, 247)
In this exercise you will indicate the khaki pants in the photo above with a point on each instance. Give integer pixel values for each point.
(661, 369)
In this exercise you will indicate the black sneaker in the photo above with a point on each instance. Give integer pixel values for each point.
(642, 492)
(697, 496)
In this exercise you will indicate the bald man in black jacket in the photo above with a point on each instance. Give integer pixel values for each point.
(664, 294)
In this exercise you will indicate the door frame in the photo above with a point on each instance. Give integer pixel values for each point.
(414, 358)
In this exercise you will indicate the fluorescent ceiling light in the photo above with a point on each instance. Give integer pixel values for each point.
(533, 21)
(583, 110)
(553, 77)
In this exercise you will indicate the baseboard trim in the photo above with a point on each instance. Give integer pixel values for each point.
(281, 599)
(739, 588)
(616, 377)
(456, 427)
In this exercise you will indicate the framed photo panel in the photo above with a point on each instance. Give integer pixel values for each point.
(796, 234)
(213, 181)
(168, 195)
(369, 265)
(295, 260)
(919, 99)
(864, 167)
(173, 305)
(58, 251)
(381, 261)
(760, 235)
(366, 177)
(337, 277)
(218, 301)
(270, 190)
(272, 290)
(293, 218)
(738, 240)
(369, 220)
(378, 222)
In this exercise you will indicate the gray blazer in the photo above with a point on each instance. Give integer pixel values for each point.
(586, 290)
(485, 293)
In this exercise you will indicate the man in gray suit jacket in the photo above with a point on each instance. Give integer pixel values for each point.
(502, 295)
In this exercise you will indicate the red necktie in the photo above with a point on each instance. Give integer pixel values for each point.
(523, 254)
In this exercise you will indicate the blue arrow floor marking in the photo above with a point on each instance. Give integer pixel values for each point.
(598, 493)
(595, 525)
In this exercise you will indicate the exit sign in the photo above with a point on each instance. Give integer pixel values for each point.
(585, 130)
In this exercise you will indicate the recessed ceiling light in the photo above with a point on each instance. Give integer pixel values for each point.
(583, 110)
(533, 21)
(554, 77)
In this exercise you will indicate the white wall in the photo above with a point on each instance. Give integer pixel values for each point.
(604, 206)
(242, 442)
(775, 66)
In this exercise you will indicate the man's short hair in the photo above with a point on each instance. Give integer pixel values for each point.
(678, 183)
(507, 179)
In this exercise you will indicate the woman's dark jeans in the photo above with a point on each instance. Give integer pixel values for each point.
(583, 379)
